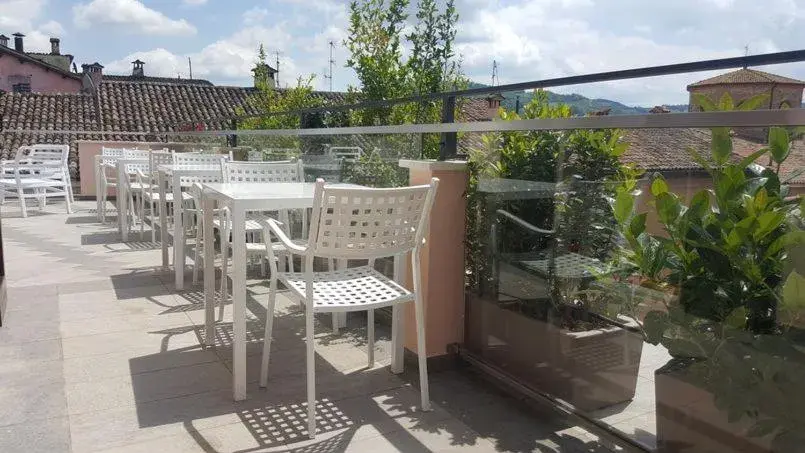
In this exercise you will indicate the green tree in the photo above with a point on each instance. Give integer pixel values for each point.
(375, 45)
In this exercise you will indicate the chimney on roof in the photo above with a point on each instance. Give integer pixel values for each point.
(493, 104)
(3, 40)
(54, 46)
(18, 42)
(94, 73)
(137, 70)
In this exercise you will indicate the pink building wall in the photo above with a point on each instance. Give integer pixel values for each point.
(42, 80)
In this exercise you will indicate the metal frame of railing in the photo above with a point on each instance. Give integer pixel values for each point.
(448, 146)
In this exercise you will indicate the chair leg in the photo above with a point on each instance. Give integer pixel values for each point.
(421, 351)
(311, 375)
(197, 252)
(68, 199)
(224, 271)
(21, 196)
(151, 215)
(370, 336)
(272, 295)
(104, 190)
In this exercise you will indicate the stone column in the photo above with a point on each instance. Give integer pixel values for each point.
(442, 257)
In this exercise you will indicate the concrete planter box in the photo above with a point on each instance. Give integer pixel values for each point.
(689, 421)
(591, 369)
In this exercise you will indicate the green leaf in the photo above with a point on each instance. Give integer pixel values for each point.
(699, 204)
(737, 319)
(704, 102)
(752, 103)
(659, 186)
(721, 145)
(725, 104)
(767, 222)
(668, 208)
(794, 292)
(638, 224)
(787, 240)
(624, 203)
(779, 144)
(679, 347)
(750, 159)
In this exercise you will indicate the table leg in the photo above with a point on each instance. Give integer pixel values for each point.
(397, 320)
(178, 234)
(239, 302)
(122, 202)
(340, 318)
(209, 272)
(163, 219)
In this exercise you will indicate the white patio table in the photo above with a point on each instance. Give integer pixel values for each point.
(240, 198)
(180, 176)
(123, 195)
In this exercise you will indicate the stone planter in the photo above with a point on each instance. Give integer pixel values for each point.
(590, 369)
(689, 421)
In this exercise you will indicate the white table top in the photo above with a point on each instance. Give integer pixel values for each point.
(267, 190)
(169, 169)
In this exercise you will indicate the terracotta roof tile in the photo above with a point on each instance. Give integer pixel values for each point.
(746, 75)
(793, 165)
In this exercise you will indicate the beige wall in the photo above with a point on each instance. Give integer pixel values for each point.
(683, 184)
(88, 149)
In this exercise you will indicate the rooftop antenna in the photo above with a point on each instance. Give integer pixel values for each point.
(746, 53)
(277, 54)
(190, 67)
(495, 78)
(331, 61)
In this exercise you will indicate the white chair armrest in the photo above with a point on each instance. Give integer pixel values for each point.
(274, 226)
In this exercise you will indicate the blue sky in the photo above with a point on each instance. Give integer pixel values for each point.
(530, 39)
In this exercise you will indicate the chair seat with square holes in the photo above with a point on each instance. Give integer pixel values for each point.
(356, 288)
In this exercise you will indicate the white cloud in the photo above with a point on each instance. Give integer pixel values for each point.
(255, 15)
(194, 2)
(229, 60)
(539, 39)
(131, 14)
(52, 28)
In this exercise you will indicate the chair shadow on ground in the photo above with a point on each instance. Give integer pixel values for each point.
(275, 418)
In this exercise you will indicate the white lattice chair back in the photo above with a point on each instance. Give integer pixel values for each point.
(198, 159)
(49, 153)
(157, 158)
(136, 154)
(263, 172)
(109, 156)
(364, 223)
(137, 164)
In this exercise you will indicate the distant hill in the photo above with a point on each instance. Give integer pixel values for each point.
(579, 105)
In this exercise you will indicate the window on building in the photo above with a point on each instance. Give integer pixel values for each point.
(21, 88)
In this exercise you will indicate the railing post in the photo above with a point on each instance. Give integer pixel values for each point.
(233, 138)
(449, 141)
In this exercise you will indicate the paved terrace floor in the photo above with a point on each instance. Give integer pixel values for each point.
(100, 353)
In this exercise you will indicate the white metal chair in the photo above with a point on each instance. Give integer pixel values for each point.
(136, 188)
(354, 223)
(199, 159)
(106, 177)
(148, 180)
(39, 175)
(256, 172)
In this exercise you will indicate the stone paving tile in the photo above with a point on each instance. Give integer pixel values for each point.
(119, 351)
(51, 435)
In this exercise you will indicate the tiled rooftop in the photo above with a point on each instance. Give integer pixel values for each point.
(99, 353)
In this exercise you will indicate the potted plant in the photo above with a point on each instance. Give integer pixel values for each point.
(732, 322)
(536, 206)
